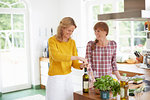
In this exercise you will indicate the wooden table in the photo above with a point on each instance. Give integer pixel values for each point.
(79, 95)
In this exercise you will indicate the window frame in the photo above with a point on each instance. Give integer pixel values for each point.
(19, 11)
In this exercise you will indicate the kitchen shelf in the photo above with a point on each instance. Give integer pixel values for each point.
(44, 59)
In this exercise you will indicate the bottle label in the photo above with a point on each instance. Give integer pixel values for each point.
(122, 92)
(127, 90)
(86, 85)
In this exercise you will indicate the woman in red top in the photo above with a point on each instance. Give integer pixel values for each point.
(101, 53)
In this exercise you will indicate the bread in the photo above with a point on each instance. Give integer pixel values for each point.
(131, 61)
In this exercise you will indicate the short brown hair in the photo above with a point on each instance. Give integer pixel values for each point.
(102, 26)
(64, 23)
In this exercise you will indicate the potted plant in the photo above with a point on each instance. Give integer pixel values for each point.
(106, 84)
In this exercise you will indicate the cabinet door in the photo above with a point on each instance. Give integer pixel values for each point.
(44, 72)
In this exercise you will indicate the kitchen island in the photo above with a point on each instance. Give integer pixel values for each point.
(131, 70)
(79, 95)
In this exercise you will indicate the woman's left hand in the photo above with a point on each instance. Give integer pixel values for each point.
(84, 65)
(91, 83)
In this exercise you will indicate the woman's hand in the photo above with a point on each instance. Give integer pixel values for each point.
(83, 60)
(84, 65)
(79, 58)
(117, 75)
(92, 79)
(91, 83)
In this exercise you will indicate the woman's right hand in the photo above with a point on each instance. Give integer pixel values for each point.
(79, 58)
(83, 60)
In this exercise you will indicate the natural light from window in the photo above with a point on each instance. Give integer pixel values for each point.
(129, 35)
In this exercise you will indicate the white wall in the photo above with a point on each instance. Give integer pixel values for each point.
(73, 8)
(43, 16)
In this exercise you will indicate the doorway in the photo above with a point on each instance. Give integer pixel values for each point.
(14, 46)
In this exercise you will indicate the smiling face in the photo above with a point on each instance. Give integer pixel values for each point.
(101, 30)
(67, 32)
(100, 34)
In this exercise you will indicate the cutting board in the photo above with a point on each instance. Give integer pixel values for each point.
(135, 86)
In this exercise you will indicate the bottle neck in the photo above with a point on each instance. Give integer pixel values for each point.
(85, 71)
(124, 78)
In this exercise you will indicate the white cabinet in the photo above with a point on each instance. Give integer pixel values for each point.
(44, 66)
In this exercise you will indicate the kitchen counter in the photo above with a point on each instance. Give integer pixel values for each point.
(79, 95)
(132, 70)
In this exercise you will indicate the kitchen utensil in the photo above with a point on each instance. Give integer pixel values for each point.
(139, 56)
(136, 54)
(147, 60)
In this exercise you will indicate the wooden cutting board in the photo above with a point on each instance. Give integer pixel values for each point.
(135, 86)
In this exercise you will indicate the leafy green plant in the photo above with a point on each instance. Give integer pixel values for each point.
(137, 79)
(107, 83)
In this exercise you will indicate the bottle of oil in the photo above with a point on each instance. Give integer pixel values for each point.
(85, 81)
(124, 88)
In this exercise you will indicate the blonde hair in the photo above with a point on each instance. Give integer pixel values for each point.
(64, 23)
(102, 26)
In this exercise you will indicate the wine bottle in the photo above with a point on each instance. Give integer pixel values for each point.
(124, 87)
(127, 90)
(85, 81)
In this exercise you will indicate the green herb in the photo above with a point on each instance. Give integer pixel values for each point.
(106, 83)
(137, 79)
(131, 90)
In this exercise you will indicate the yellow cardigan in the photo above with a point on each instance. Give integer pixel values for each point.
(60, 56)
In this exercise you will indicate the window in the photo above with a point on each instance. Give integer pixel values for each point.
(129, 35)
(12, 24)
(14, 46)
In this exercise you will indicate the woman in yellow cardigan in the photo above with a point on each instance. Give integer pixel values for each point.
(62, 56)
